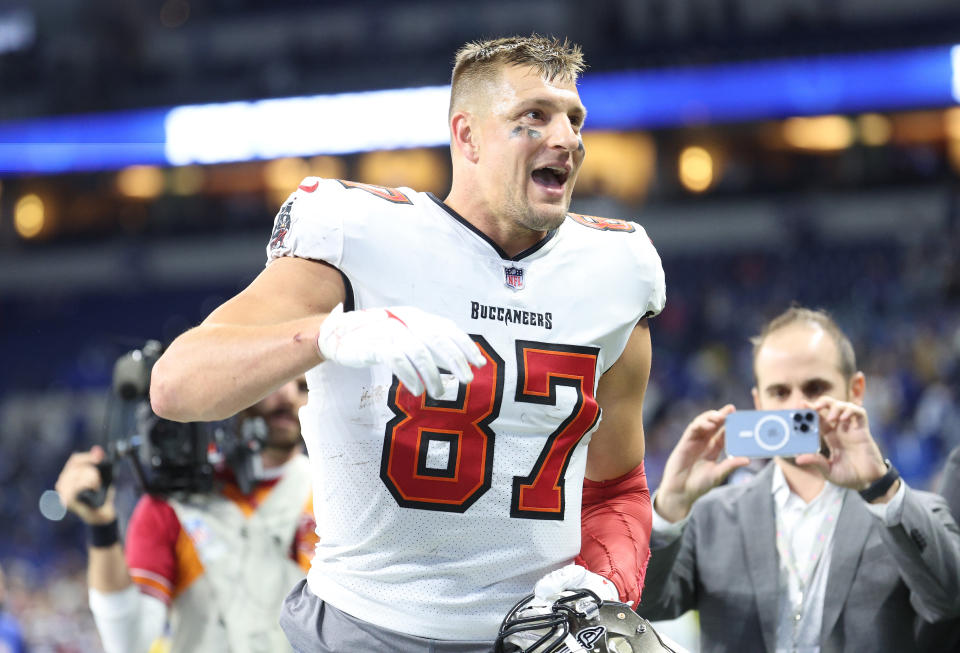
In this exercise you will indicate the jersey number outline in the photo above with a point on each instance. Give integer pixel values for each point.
(462, 426)
(541, 367)
(603, 224)
(383, 192)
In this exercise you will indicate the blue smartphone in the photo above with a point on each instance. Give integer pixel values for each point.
(768, 433)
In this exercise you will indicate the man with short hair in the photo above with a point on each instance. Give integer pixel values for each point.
(517, 319)
(215, 564)
(827, 551)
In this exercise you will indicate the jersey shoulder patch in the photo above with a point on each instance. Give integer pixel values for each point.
(309, 222)
(321, 214)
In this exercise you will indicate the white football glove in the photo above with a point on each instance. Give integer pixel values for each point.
(548, 590)
(573, 577)
(412, 343)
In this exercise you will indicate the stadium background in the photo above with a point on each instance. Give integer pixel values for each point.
(807, 166)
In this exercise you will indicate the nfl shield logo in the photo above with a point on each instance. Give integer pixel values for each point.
(514, 278)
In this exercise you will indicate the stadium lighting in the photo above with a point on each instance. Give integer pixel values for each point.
(952, 127)
(323, 124)
(416, 117)
(328, 167)
(417, 168)
(283, 174)
(874, 129)
(29, 216)
(955, 77)
(696, 169)
(186, 180)
(825, 133)
(140, 182)
(621, 164)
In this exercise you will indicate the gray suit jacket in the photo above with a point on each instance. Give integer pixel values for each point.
(882, 585)
(946, 635)
(950, 482)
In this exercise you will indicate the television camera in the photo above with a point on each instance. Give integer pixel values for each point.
(169, 457)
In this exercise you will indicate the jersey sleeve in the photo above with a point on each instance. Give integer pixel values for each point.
(128, 621)
(615, 524)
(654, 289)
(632, 253)
(151, 547)
(310, 223)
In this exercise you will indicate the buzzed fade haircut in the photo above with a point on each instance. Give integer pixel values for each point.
(801, 315)
(479, 62)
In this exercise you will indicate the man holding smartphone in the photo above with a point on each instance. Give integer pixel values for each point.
(821, 551)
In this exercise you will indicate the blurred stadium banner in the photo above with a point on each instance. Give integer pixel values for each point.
(416, 117)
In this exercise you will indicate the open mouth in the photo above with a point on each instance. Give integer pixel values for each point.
(551, 176)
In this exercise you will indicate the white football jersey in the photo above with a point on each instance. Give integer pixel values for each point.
(435, 516)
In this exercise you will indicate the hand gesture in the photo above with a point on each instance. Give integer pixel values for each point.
(692, 468)
(79, 474)
(412, 343)
(854, 459)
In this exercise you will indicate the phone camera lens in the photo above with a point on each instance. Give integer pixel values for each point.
(797, 417)
(804, 427)
(809, 417)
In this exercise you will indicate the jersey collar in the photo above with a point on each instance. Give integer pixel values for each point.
(502, 254)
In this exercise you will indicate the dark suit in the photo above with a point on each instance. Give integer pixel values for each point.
(950, 483)
(945, 636)
(882, 583)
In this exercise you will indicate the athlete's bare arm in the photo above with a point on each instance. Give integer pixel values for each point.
(249, 346)
(617, 446)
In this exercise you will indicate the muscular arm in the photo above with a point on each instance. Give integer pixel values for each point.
(615, 517)
(249, 346)
(617, 446)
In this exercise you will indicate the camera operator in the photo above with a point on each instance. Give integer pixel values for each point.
(827, 551)
(214, 565)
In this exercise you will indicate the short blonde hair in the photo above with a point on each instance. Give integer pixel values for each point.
(799, 314)
(479, 62)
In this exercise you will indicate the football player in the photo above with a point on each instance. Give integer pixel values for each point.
(459, 353)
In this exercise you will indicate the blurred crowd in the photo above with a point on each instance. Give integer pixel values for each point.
(49, 602)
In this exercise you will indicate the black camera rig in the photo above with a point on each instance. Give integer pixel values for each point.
(169, 457)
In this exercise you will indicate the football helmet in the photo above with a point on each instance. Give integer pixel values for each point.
(577, 622)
